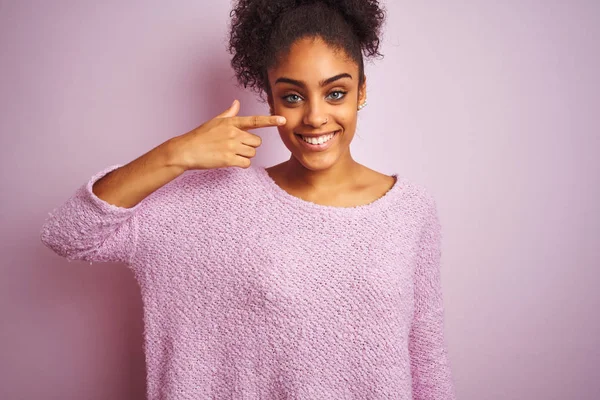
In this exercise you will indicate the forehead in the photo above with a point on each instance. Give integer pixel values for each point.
(312, 60)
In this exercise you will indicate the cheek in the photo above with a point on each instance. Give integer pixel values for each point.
(293, 117)
(286, 131)
(288, 113)
(346, 117)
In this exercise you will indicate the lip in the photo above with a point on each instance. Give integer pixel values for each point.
(318, 147)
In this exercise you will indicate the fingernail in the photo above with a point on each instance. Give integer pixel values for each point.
(281, 120)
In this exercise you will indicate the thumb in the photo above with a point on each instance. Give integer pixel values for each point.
(231, 111)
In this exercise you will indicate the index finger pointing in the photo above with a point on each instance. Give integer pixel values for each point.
(258, 121)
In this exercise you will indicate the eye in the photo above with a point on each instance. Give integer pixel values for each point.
(337, 95)
(292, 98)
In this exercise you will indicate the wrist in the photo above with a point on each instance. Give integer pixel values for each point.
(174, 155)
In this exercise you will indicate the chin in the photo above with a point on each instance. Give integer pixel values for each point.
(314, 162)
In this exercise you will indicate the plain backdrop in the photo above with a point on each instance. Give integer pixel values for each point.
(493, 106)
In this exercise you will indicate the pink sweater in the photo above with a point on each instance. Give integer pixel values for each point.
(252, 293)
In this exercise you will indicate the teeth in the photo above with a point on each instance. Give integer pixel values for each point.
(318, 140)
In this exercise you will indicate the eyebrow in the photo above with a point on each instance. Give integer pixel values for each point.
(321, 83)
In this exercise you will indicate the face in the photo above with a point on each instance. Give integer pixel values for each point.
(316, 88)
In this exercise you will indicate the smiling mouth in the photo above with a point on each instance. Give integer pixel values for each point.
(316, 140)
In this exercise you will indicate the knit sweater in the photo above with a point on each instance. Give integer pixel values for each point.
(252, 293)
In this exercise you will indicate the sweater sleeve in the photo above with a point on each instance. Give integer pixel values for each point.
(430, 368)
(88, 228)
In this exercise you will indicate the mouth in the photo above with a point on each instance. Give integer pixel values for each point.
(318, 142)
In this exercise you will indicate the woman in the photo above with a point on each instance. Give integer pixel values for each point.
(317, 278)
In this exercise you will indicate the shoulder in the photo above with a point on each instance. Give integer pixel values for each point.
(428, 214)
(415, 205)
(220, 178)
(206, 186)
(420, 194)
(403, 188)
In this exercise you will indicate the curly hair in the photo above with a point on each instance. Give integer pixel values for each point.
(263, 30)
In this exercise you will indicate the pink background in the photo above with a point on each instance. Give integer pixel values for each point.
(493, 107)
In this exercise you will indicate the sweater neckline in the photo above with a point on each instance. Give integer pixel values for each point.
(380, 203)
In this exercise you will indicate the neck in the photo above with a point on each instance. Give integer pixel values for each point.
(339, 175)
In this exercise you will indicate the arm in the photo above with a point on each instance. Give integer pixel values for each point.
(218, 143)
(128, 185)
(100, 221)
(430, 369)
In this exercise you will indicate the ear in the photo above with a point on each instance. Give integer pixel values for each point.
(362, 91)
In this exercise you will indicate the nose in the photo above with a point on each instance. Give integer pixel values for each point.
(315, 115)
